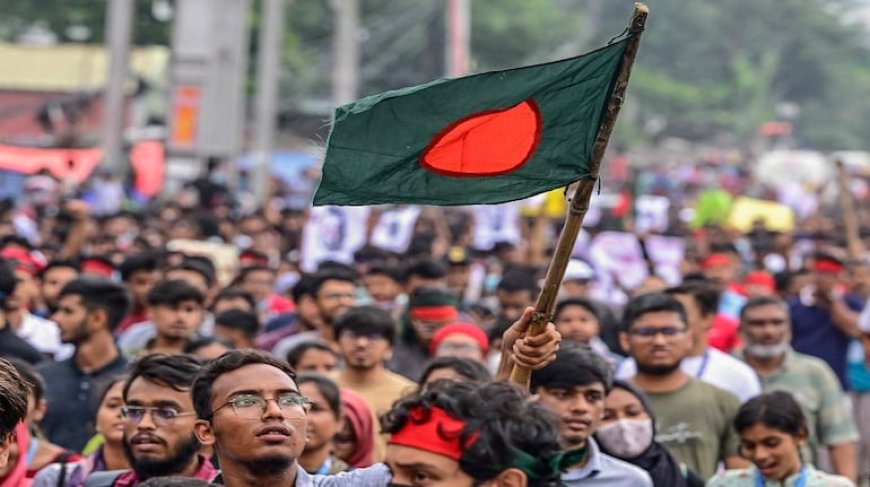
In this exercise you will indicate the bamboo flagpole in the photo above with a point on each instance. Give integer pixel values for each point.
(583, 193)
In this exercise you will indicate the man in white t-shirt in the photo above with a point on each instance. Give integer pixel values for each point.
(701, 300)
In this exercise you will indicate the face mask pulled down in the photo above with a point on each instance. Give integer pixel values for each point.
(626, 438)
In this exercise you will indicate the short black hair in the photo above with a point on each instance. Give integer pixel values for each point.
(331, 274)
(651, 303)
(327, 388)
(233, 360)
(584, 303)
(472, 370)
(390, 272)
(198, 266)
(303, 287)
(100, 293)
(245, 321)
(246, 271)
(197, 343)
(705, 293)
(174, 371)
(295, 354)
(137, 263)
(500, 425)
(30, 375)
(576, 364)
(425, 268)
(234, 292)
(60, 264)
(759, 301)
(776, 410)
(13, 398)
(518, 279)
(174, 293)
(7, 282)
(368, 321)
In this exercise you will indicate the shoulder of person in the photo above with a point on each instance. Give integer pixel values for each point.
(829, 480)
(375, 476)
(733, 478)
(627, 470)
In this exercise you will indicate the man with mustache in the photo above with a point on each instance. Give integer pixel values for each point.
(573, 387)
(764, 325)
(694, 418)
(159, 435)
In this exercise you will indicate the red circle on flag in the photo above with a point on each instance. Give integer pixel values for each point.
(487, 143)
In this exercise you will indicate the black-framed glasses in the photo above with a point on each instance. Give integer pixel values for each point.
(650, 332)
(250, 406)
(161, 416)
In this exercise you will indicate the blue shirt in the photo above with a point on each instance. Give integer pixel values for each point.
(602, 470)
(814, 334)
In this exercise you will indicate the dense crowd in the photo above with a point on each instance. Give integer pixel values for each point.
(195, 342)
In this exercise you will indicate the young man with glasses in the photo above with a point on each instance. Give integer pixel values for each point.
(694, 418)
(159, 417)
(764, 325)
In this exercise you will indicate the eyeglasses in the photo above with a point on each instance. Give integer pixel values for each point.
(160, 416)
(772, 321)
(250, 406)
(650, 332)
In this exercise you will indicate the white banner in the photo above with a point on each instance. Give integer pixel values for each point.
(496, 223)
(333, 233)
(395, 228)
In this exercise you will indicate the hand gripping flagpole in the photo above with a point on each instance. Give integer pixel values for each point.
(583, 193)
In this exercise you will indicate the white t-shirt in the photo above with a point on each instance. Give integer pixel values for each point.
(44, 335)
(713, 367)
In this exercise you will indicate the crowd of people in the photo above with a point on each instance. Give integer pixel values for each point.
(132, 357)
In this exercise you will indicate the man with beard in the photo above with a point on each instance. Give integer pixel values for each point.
(694, 418)
(89, 311)
(764, 325)
(159, 416)
(365, 340)
(573, 388)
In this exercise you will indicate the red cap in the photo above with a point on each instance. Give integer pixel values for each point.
(22, 260)
(97, 265)
(828, 266)
(716, 260)
(760, 278)
(460, 328)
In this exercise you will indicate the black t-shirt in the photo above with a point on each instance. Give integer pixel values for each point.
(13, 346)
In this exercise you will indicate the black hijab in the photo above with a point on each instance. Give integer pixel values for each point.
(661, 466)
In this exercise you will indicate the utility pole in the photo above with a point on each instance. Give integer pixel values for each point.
(345, 72)
(269, 74)
(119, 29)
(458, 39)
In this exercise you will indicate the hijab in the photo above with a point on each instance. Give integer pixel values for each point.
(359, 416)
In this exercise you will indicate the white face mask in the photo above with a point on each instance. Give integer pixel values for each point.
(626, 438)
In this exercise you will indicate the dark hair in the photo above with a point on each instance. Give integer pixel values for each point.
(245, 321)
(57, 264)
(425, 268)
(584, 303)
(303, 287)
(516, 280)
(174, 293)
(107, 384)
(175, 482)
(651, 303)
(7, 282)
(13, 398)
(368, 321)
(246, 271)
(233, 360)
(233, 292)
(500, 425)
(295, 354)
(704, 292)
(759, 301)
(100, 293)
(776, 410)
(201, 342)
(330, 274)
(327, 388)
(30, 375)
(137, 263)
(576, 364)
(174, 371)
(472, 370)
(393, 273)
(196, 265)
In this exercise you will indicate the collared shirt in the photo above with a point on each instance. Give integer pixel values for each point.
(72, 399)
(815, 387)
(206, 472)
(375, 476)
(746, 477)
(604, 470)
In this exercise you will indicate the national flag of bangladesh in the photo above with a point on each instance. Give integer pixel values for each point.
(487, 138)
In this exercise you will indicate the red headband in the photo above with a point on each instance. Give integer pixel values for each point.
(98, 267)
(434, 313)
(715, 260)
(828, 267)
(435, 432)
(460, 328)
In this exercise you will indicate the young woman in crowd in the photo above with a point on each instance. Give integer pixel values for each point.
(108, 456)
(627, 432)
(324, 422)
(355, 443)
(772, 431)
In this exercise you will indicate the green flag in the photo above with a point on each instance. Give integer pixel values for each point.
(487, 138)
